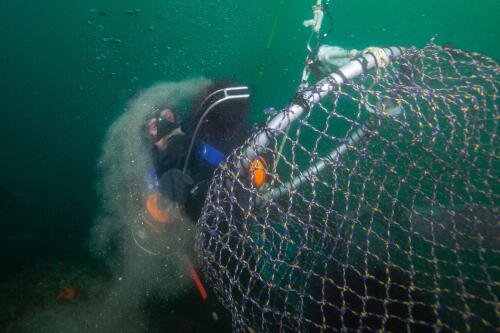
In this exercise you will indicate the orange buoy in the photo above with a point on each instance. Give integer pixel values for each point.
(258, 170)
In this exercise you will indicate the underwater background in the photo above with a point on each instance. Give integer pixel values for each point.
(67, 70)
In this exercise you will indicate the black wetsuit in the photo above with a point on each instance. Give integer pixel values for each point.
(171, 157)
(199, 170)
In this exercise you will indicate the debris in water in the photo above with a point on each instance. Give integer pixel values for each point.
(134, 12)
(112, 40)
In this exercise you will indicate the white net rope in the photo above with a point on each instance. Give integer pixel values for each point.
(399, 231)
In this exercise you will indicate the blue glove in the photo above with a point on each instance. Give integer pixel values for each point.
(174, 186)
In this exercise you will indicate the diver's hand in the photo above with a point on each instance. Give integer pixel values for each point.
(174, 185)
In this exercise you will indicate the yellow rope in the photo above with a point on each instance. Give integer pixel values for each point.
(265, 59)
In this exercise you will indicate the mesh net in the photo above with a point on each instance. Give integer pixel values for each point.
(397, 229)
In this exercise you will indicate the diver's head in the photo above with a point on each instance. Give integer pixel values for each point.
(162, 125)
(220, 111)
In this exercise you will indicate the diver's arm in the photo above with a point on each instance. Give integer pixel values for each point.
(174, 186)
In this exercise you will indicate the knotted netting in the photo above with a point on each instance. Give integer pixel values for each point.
(380, 208)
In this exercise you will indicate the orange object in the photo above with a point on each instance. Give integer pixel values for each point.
(258, 170)
(66, 294)
(196, 279)
(156, 213)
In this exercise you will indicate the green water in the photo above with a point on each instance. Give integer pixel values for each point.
(67, 69)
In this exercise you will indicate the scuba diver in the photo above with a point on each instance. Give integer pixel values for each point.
(183, 153)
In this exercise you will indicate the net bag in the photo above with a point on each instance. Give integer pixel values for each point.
(376, 209)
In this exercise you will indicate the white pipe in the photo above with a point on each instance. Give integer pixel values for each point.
(313, 95)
